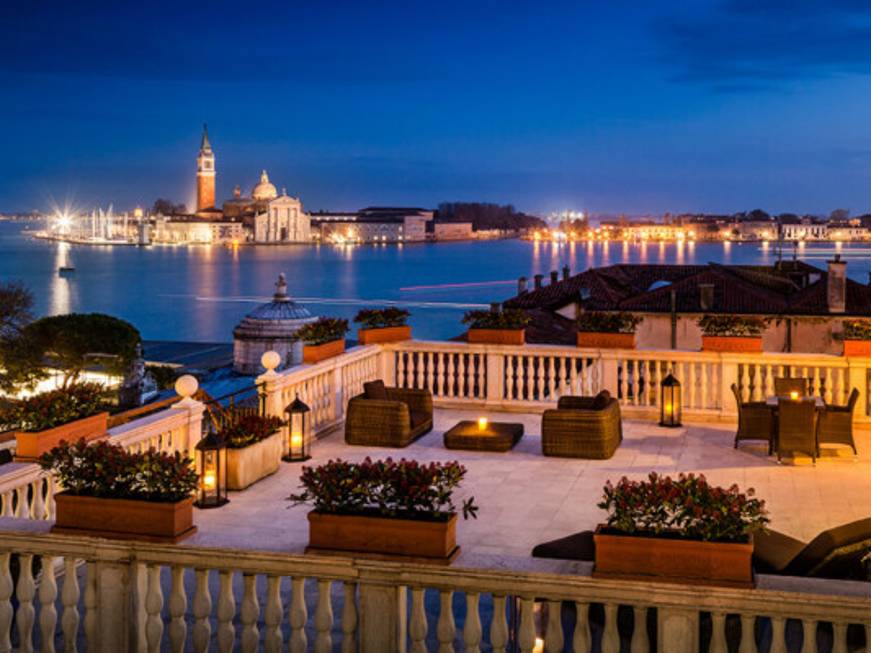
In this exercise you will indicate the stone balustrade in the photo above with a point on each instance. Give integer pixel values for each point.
(126, 596)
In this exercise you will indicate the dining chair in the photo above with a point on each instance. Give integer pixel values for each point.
(755, 420)
(797, 427)
(783, 385)
(836, 423)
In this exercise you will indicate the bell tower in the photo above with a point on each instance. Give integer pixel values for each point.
(205, 174)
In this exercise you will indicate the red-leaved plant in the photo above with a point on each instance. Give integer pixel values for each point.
(688, 507)
(53, 408)
(405, 489)
(244, 429)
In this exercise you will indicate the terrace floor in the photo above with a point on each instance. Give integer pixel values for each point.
(526, 498)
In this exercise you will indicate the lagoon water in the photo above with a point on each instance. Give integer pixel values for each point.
(199, 293)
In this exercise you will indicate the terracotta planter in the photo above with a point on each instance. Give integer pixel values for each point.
(383, 334)
(248, 465)
(497, 336)
(30, 445)
(317, 353)
(736, 344)
(124, 519)
(660, 559)
(407, 538)
(600, 340)
(857, 348)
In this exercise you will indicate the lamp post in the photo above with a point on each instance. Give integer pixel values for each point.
(298, 425)
(211, 453)
(670, 401)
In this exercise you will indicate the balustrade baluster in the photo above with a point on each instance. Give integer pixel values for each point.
(472, 627)
(226, 611)
(446, 630)
(25, 592)
(748, 634)
(70, 599)
(499, 626)
(22, 509)
(574, 379)
(249, 613)
(349, 618)
(417, 627)
(47, 610)
(521, 378)
(177, 606)
(455, 386)
(6, 590)
(430, 372)
(202, 607)
(50, 489)
(37, 509)
(526, 628)
(809, 636)
(553, 634)
(482, 385)
(839, 637)
(778, 635)
(705, 391)
(298, 616)
(610, 636)
(639, 642)
(273, 639)
(718, 633)
(509, 378)
(153, 606)
(418, 365)
(90, 600)
(581, 640)
(323, 618)
(7, 503)
(400, 369)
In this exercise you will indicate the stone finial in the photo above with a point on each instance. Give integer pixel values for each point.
(237, 191)
(280, 288)
(270, 360)
(186, 386)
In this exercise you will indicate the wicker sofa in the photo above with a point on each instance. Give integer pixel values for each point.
(582, 427)
(388, 417)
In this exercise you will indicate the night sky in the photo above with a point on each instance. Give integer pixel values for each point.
(611, 106)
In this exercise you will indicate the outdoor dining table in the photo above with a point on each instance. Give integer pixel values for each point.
(819, 402)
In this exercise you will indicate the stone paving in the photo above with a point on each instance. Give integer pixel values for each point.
(526, 498)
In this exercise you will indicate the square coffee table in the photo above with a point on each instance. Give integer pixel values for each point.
(497, 436)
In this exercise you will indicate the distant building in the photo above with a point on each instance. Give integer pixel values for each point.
(452, 231)
(205, 175)
(371, 225)
(179, 230)
(282, 221)
(808, 303)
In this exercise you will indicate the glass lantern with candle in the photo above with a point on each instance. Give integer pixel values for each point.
(211, 454)
(298, 436)
(670, 402)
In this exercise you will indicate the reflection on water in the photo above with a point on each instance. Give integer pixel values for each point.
(200, 293)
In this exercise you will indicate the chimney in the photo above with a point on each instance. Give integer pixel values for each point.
(566, 272)
(538, 278)
(554, 277)
(521, 286)
(706, 296)
(836, 291)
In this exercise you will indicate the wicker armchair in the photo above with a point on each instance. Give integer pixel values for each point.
(783, 385)
(797, 427)
(582, 427)
(755, 421)
(397, 421)
(836, 423)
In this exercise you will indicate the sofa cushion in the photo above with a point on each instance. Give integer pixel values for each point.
(827, 544)
(773, 551)
(375, 390)
(602, 400)
(418, 418)
(578, 546)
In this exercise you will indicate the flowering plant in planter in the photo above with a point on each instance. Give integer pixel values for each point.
(510, 318)
(856, 330)
(733, 326)
(108, 471)
(400, 489)
(324, 330)
(380, 318)
(244, 429)
(601, 322)
(47, 410)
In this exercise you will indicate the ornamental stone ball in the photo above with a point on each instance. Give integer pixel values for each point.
(186, 386)
(270, 360)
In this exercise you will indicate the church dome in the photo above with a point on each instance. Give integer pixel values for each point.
(269, 327)
(264, 190)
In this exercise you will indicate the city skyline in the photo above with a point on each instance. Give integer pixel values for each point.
(720, 107)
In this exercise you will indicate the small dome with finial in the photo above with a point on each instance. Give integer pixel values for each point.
(264, 190)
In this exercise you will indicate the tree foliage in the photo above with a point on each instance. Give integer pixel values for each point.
(164, 206)
(488, 216)
(16, 304)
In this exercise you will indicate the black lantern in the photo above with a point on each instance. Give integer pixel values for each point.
(669, 397)
(212, 469)
(298, 436)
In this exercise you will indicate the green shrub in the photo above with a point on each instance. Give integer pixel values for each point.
(47, 410)
(510, 318)
(732, 325)
(326, 329)
(379, 318)
(109, 471)
(600, 322)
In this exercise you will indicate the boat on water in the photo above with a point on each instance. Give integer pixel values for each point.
(65, 270)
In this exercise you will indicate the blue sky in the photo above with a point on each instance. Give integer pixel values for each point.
(717, 105)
